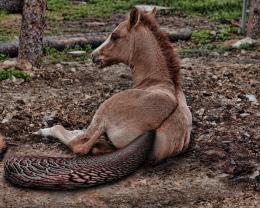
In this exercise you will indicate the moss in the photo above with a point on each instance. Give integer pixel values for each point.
(201, 37)
(12, 72)
(247, 46)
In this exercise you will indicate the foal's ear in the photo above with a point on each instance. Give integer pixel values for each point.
(134, 18)
(153, 12)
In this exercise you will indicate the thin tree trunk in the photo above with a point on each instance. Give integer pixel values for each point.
(31, 36)
(11, 5)
(253, 29)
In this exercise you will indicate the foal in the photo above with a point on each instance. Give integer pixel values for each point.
(156, 101)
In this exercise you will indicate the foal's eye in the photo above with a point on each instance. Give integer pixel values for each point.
(114, 36)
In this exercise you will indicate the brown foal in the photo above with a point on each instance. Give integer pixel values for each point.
(156, 101)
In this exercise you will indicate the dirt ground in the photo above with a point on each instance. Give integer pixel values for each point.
(221, 167)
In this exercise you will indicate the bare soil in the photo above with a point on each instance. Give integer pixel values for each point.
(221, 167)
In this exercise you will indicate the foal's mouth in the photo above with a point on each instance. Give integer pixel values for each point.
(98, 62)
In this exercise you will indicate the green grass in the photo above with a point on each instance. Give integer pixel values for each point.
(65, 9)
(3, 15)
(8, 34)
(3, 57)
(205, 36)
(54, 56)
(215, 9)
(247, 46)
(201, 36)
(12, 72)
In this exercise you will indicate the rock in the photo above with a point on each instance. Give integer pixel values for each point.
(182, 34)
(255, 174)
(77, 53)
(246, 40)
(243, 51)
(206, 94)
(200, 112)
(251, 97)
(9, 64)
(59, 66)
(213, 33)
(243, 115)
(226, 54)
(214, 53)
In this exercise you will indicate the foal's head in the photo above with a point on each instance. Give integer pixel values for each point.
(138, 41)
(119, 46)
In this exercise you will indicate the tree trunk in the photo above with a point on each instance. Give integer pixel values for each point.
(253, 29)
(31, 36)
(11, 5)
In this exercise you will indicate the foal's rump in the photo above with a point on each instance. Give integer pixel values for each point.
(133, 112)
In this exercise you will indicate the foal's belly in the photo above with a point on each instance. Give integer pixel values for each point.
(122, 135)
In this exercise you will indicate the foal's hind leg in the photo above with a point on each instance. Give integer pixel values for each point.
(80, 141)
(60, 133)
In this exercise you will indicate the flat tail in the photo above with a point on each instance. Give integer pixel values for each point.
(78, 172)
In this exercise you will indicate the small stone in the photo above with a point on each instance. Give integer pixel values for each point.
(214, 53)
(58, 65)
(246, 135)
(243, 115)
(206, 94)
(223, 175)
(9, 63)
(213, 33)
(77, 53)
(200, 112)
(255, 174)
(73, 70)
(251, 97)
(246, 40)
(226, 54)
(243, 51)
(31, 125)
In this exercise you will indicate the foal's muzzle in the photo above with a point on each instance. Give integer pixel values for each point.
(96, 58)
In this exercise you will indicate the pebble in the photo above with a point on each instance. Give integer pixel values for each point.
(58, 65)
(77, 53)
(247, 40)
(251, 97)
(244, 115)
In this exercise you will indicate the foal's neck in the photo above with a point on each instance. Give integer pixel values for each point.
(148, 64)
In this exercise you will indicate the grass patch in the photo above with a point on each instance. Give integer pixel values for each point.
(3, 57)
(67, 10)
(215, 9)
(248, 47)
(3, 15)
(53, 56)
(12, 72)
(201, 37)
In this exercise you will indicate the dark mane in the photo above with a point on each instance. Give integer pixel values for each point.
(165, 45)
